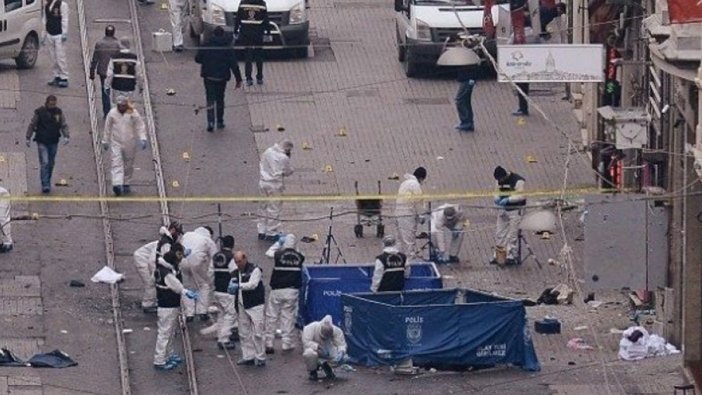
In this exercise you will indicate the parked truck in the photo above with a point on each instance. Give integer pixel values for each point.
(288, 19)
(425, 27)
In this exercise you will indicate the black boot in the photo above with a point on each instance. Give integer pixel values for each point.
(117, 189)
(313, 375)
(328, 371)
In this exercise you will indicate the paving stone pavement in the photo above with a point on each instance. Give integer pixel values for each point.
(394, 124)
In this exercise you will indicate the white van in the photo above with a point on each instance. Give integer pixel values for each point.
(20, 27)
(424, 26)
(289, 24)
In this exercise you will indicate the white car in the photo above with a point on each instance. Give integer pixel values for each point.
(288, 18)
(425, 26)
(20, 28)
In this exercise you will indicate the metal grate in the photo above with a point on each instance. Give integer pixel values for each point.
(279, 18)
(440, 34)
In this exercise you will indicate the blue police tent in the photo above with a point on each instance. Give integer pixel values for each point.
(322, 286)
(451, 327)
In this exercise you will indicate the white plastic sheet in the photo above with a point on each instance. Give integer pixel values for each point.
(646, 346)
(107, 275)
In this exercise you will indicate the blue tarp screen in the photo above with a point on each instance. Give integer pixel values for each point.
(432, 328)
(322, 286)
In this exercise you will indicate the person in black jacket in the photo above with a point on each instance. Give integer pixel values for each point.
(251, 25)
(47, 126)
(218, 62)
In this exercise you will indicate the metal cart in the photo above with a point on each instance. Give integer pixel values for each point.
(369, 213)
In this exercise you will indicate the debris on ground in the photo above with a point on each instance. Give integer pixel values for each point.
(636, 344)
(53, 359)
(577, 343)
(548, 326)
(107, 275)
(560, 294)
(76, 284)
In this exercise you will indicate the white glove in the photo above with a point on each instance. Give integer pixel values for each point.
(65, 141)
(28, 142)
(143, 144)
(64, 37)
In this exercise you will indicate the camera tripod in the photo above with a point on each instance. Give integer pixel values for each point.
(326, 252)
(522, 240)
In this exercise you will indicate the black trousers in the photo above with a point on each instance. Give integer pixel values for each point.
(252, 54)
(523, 104)
(214, 93)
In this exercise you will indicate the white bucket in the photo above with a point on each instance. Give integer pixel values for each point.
(162, 41)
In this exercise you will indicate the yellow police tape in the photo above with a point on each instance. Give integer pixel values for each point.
(297, 198)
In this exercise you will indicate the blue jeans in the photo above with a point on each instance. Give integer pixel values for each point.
(464, 105)
(106, 105)
(47, 154)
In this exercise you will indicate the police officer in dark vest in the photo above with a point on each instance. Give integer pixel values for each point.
(282, 307)
(251, 25)
(248, 287)
(391, 268)
(510, 199)
(169, 237)
(223, 266)
(124, 74)
(47, 126)
(169, 288)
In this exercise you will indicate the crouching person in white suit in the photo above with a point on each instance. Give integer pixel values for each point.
(323, 342)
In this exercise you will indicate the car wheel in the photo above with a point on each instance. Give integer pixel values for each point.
(29, 52)
(411, 67)
(401, 50)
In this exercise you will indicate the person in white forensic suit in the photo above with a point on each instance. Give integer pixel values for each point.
(145, 262)
(169, 291)
(274, 167)
(223, 266)
(447, 217)
(511, 200)
(176, 9)
(55, 18)
(124, 130)
(250, 293)
(6, 243)
(124, 73)
(282, 306)
(196, 268)
(409, 210)
(391, 268)
(322, 343)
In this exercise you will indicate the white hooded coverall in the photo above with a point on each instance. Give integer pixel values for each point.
(379, 269)
(123, 132)
(226, 303)
(196, 268)
(251, 321)
(317, 349)
(167, 319)
(145, 262)
(508, 220)
(440, 224)
(112, 74)
(283, 305)
(5, 218)
(57, 47)
(408, 213)
(274, 166)
(176, 8)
